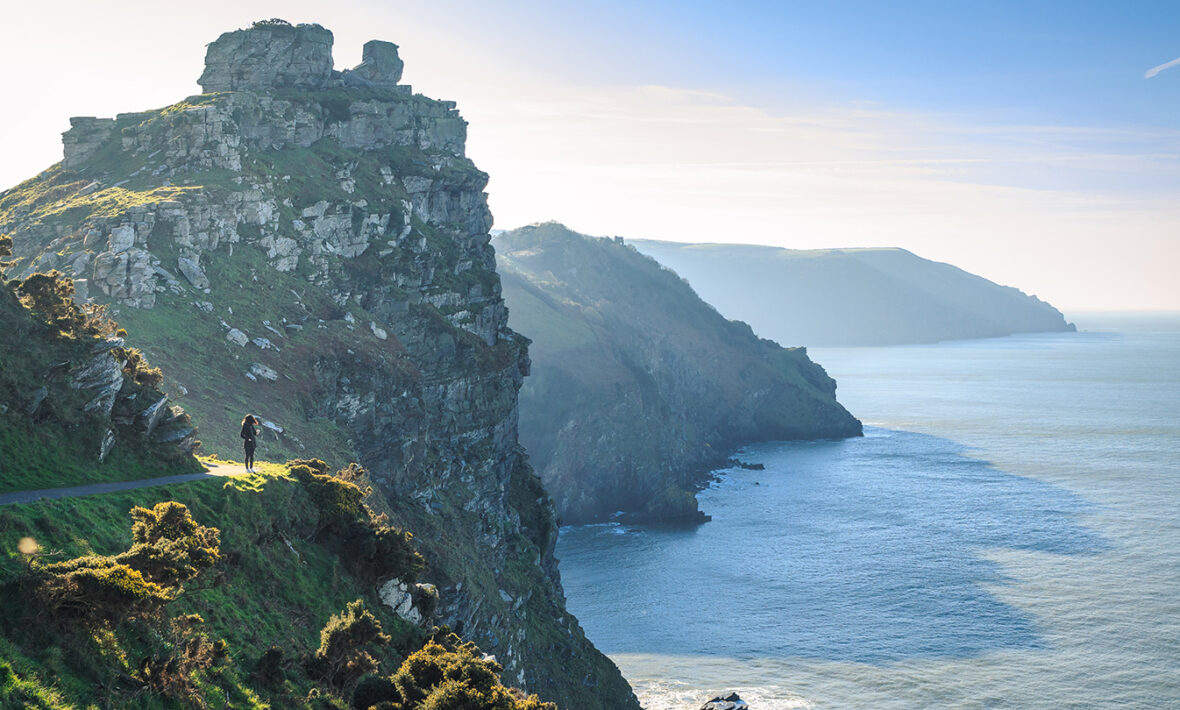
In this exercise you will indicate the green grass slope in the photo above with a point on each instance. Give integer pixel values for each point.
(278, 581)
(273, 587)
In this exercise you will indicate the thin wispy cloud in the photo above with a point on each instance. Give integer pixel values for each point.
(1166, 65)
(665, 163)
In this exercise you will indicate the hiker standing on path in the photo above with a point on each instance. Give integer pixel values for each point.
(250, 435)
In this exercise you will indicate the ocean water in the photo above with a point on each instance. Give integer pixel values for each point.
(1006, 535)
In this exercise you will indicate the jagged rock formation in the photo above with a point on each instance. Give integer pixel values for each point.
(312, 246)
(271, 55)
(726, 702)
(638, 386)
(852, 296)
(70, 403)
(380, 65)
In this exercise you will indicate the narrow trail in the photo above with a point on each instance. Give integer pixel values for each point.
(212, 470)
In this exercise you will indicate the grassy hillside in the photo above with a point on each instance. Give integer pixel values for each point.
(280, 576)
(851, 296)
(637, 385)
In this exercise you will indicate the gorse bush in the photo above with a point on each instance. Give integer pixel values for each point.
(345, 642)
(370, 547)
(269, 669)
(186, 651)
(374, 551)
(169, 548)
(340, 503)
(51, 296)
(374, 690)
(5, 251)
(97, 589)
(445, 674)
(137, 368)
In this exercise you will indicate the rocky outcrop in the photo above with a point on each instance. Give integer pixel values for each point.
(269, 55)
(726, 702)
(412, 602)
(335, 274)
(86, 135)
(276, 55)
(638, 386)
(380, 66)
(102, 377)
(128, 276)
(77, 402)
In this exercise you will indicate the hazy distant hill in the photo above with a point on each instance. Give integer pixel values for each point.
(637, 385)
(851, 296)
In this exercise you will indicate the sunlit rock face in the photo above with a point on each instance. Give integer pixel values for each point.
(269, 56)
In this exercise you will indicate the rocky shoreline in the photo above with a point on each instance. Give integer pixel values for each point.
(725, 702)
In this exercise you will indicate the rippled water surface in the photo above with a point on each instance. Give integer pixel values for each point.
(1005, 535)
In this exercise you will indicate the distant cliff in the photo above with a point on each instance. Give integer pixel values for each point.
(852, 296)
(637, 384)
(311, 245)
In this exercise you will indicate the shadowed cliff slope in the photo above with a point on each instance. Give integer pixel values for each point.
(637, 384)
(312, 246)
(851, 296)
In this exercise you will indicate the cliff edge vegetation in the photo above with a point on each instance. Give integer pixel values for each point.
(275, 590)
(638, 386)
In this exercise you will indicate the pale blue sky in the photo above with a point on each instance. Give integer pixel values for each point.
(1075, 62)
(1018, 140)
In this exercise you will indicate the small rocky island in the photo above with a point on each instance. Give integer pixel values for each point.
(726, 702)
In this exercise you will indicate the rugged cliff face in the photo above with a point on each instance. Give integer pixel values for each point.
(312, 246)
(76, 404)
(638, 385)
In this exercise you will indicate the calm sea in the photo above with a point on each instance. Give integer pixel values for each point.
(1006, 535)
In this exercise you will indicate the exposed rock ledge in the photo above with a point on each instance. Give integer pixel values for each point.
(727, 702)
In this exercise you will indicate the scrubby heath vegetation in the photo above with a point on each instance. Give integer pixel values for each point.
(251, 592)
(638, 387)
(72, 393)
